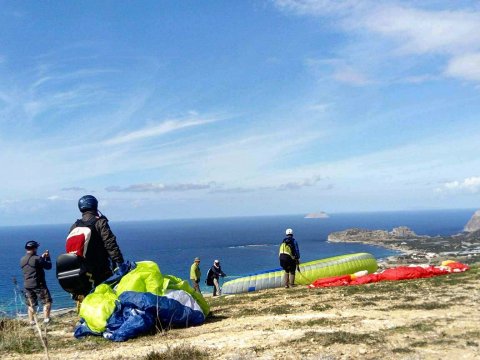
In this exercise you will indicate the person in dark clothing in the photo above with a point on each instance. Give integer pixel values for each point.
(33, 268)
(289, 256)
(216, 272)
(102, 248)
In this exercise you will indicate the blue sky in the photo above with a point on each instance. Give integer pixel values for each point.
(178, 109)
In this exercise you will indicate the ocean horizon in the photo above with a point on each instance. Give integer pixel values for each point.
(244, 244)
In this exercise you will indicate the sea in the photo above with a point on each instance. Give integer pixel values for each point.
(243, 245)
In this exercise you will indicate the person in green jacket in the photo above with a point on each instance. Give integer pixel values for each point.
(195, 274)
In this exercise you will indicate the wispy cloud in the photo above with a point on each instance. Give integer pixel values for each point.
(339, 70)
(408, 29)
(318, 7)
(233, 190)
(465, 67)
(73, 188)
(288, 186)
(295, 185)
(160, 129)
(160, 188)
(421, 31)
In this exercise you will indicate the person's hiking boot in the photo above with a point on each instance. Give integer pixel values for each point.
(285, 280)
(46, 320)
(292, 280)
(32, 323)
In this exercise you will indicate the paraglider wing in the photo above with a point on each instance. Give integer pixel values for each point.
(209, 280)
(309, 272)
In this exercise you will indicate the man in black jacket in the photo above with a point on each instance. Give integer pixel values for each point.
(34, 280)
(216, 272)
(102, 247)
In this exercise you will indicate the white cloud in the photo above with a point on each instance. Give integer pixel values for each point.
(424, 31)
(73, 188)
(470, 184)
(317, 7)
(339, 70)
(287, 186)
(419, 79)
(295, 185)
(408, 30)
(160, 188)
(349, 75)
(465, 66)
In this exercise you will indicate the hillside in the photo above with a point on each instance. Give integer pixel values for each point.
(429, 319)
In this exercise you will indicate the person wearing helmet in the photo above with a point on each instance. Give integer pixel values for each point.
(195, 274)
(102, 247)
(289, 256)
(33, 268)
(215, 273)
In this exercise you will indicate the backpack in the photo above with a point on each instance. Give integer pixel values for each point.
(209, 279)
(73, 273)
(289, 242)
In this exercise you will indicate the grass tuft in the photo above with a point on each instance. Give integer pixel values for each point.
(321, 307)
(17, 336)
(421, 306)
(182, 352)
(281, 309)
(340, 337)
(402, 350)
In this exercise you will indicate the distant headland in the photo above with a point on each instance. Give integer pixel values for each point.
(417, 247)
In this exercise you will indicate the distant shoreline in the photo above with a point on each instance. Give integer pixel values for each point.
(414, 248)
(113, 220)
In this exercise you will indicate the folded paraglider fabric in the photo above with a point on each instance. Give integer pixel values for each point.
(398, 273)
(138, 313)
(141, 298)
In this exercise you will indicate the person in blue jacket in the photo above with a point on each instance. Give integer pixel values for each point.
(33, 267)
(289, 256)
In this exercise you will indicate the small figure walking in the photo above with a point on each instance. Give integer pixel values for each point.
(213, 276)
(195, 274)
(34, 280)
(289, 256)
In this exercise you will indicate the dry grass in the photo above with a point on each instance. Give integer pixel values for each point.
(19, 337)
(426, 318)
(181, 352)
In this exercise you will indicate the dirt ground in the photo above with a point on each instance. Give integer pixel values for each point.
(436, 318)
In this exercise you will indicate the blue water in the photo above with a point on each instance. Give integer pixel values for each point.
(243, 244)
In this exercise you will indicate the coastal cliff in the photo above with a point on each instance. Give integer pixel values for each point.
(474, 223)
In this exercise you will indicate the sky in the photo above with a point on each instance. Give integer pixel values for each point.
(192, 109)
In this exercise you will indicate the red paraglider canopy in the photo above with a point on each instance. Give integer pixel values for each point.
(393, 274)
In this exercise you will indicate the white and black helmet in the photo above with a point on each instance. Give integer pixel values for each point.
(32, 244)
(289, 232)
